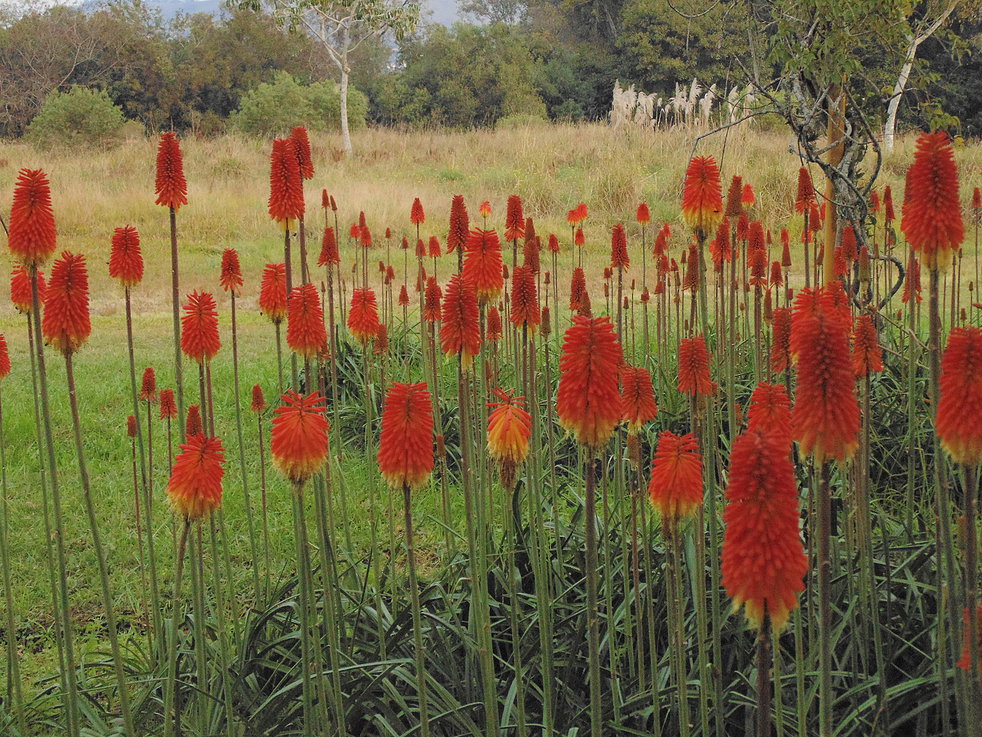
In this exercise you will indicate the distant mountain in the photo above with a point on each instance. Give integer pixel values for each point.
(443, 11)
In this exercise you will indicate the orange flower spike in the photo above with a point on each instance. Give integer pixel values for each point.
(416, 214)
(403, 296)
(485, 209)
(199, 328)
(170, 185)
(676, 489)
(763, 560)
(272, 293)
(747, 198)
(168, 407)
(65, 323)
(305, 332)
(148, 386)
(826, 412)
(125, 259)
(577, 289)
(4, 358)
(459, 224)
(434, 247)
(514, 219)
(734, 206)
(579, 239)
(509, 430)
(258, 400)
(460, 333)
(588, 402)
(20, 289)
(482, 264)
(781, 340)
(363, 315)
(405, 452)
(494, 325)
(694, 378)
(32, 234)
(524, 299)
(960, 402)
(867, 356)
(286, 201)
(301, 147)
(806, 191)
(431, 308)
(932, 214)
(230, 277)
(195, 486)
(638, 404)
(702, 196)
(770, 410)
(643, 215)
(329, 255)
(299, 438)
(618, 249)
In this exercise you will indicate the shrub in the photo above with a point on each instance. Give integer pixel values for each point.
(79, 115)
(276, 107)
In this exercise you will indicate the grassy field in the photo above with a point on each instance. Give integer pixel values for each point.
(552, 168)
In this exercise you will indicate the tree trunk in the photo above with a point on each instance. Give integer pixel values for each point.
(345, 73)
(890, 127)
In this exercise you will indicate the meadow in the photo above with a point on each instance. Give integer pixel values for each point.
(506, 607)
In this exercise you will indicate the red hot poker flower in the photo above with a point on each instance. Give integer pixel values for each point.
(301, 146)
(577, 289)
(638, 404)
(482, 265)
(299, 439)
(20, 289)
(258, 400)
(747, 198)
(514, 220)
(485, 209)
(459, 224)
(643, 215)
(403, 296)
(676, 488)
(416, 214)
(272, 293)
(965, 662)
(4, 358)
(509, 430)
(329, 255)
(363, 315)
(694, 378)
(170, 186)
(148, 387)
(770, 410)
(405, 452)
(734, 206)
(65, 322)
(285, 182)
(912, 282)
(806, 191)
(32, 235)
(125, 259)
(305, 332)
(131, 427)
(826, 412)
(588, 401)
(867, 356)
(231, 273)
(960, 403)
(433, 249)
(553, 246)
(195, 486)
(524, 299)
(199, 328)
(781, 340)
(168, 407)
(431, 306)
(702, 196)
(763, 560)
(932, 214)
(192, 422)
(618, 249)
(459, 329)
(494, 325)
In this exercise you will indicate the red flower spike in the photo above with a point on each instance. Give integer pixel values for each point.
(702, 196)
(416, 214)
(482, 265)
(195, 486)
(170, 186)
(976, 199)
(192, 423)
(913, 281)
(867, 356)
(329, 255)
(747, 198)
(272, 293)
(524, 299)
(366, 237)
(777, 277)
(643, 215)
(734, 206)
(325, 200)
(305, 332)
(588, 401)
(691, 281)
(148, 386)
(65, 323)
(420, 249)
(4, 358)
(618, 249)
(363, 315)
(301, 146)
(579, 239)
(434, 250)
(530, 254)
(932, 214)
(334, 205)
(553, 246)
(577, 289)
(354, 232)
(431, 304)
(20, 289)
(231, 273)
(806, 191)
(405, 452)
(676, 489)
(874, 201)
(459, 224)
(32, 234)
(509, 430)
(485, 209)
(381, 345)
(960, 403)
(199, 328)
(460, 333)
(168, 407)
(638, 404)
(849, 249)
(258, 400)
(514, 219)
(965, 662)
(786, 254)
(299, 438)
(131, 426)
(763, 560)
(285, 182)
(125, 259)
(581, 212)
(781, 340)
(493, 327)
(403, 296)
(826, 412)
(770, 410)
(694, 378)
